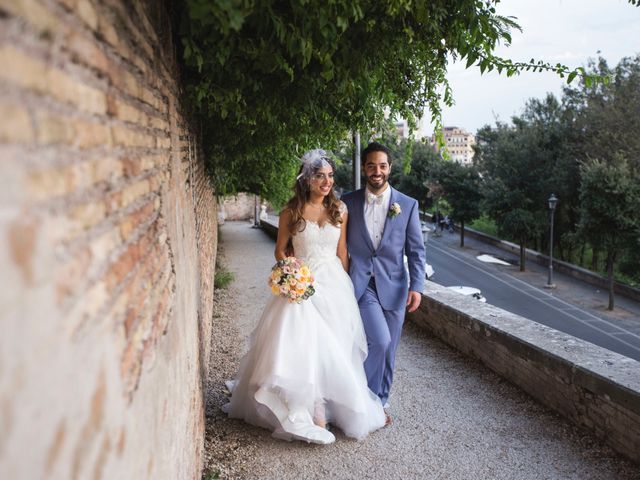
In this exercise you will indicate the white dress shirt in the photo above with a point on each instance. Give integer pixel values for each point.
(375, 214)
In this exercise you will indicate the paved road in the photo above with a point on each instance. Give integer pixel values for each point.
(574, 307)
(453, 418)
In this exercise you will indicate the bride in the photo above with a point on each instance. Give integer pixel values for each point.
(304, 368)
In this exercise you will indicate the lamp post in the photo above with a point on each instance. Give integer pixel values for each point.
(356, 161)
(553, 200)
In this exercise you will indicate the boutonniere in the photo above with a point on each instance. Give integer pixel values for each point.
(394, 210)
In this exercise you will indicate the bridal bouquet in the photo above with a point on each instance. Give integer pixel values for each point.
(291, 279)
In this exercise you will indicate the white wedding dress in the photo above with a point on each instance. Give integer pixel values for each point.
(305, 359)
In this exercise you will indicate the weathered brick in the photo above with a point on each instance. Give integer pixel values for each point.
(103, 246)
(34, 13)
(53, 129)
(127, 137)
(87, 215)
(44, 184)
(121, 267)
(85, 50)
(68, 274)
(87, 12)
(130, 84)
(16, 124)
(132, 221)
(90, 134)
(68, 4)
(128, 113)
(135, 191)
(107, 30)
(67, 89)
(113, 202)
(163, 142)
(106, 169)
(21, 69)
(159, 123)
(148, 97)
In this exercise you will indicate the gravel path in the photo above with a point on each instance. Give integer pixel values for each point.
(453, 418)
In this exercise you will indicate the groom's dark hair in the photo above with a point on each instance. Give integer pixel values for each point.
(375, 147)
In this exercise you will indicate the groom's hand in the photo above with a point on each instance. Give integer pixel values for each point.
(413, 301)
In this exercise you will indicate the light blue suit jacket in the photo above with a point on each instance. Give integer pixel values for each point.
(402, 235)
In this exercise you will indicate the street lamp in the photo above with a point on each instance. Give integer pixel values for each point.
(553, 200)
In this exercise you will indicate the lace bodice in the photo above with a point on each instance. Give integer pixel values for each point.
(316, 243)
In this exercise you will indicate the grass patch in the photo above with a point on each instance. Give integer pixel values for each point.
(222, 277)
(485, 225)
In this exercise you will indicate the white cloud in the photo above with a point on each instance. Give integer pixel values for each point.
(566, 31)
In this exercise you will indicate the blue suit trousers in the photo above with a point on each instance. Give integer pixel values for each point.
(383, 329)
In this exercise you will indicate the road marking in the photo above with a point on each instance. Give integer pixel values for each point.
(545, 295)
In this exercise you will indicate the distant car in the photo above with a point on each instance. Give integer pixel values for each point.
(428, 269)
(469, 291)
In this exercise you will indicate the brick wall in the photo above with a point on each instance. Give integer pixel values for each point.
(108, 239)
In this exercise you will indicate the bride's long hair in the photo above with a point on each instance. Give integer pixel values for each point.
(301, 196)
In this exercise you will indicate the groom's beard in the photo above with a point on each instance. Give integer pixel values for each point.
(379, 183)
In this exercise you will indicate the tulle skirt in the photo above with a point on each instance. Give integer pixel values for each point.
(305, 363)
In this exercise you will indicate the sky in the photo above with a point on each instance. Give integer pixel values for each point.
(565, 31)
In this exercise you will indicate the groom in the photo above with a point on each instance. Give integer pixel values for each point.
(383, 226)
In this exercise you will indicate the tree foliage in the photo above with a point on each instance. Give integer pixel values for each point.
(585, 149)
(462, 187)
(610, 202)
(271, 79)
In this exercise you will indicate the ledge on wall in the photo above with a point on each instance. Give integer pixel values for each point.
(595, 388)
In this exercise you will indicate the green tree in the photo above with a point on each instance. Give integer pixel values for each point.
(414, 181)
(513, 197)
(523, 163)
(462, 186)
(610, 201)
(269, 80)
(606, 122)
(607, 113)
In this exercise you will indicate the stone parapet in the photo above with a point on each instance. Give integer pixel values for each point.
(595, 388)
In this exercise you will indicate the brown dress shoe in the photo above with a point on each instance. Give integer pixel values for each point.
(387, 419)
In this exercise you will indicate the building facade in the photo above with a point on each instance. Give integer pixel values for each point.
(459, 144)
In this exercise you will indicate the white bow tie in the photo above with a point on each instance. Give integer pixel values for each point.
(374, 199)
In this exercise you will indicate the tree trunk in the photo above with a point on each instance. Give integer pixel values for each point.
(594, 259)
(582, 255)
(611, 258)
(522, 256)
(462, 233)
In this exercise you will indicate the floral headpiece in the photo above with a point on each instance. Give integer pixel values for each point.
(313, 160)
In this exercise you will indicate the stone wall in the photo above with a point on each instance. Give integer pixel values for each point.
(595, 388)
(239, 207)
(108, 239)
